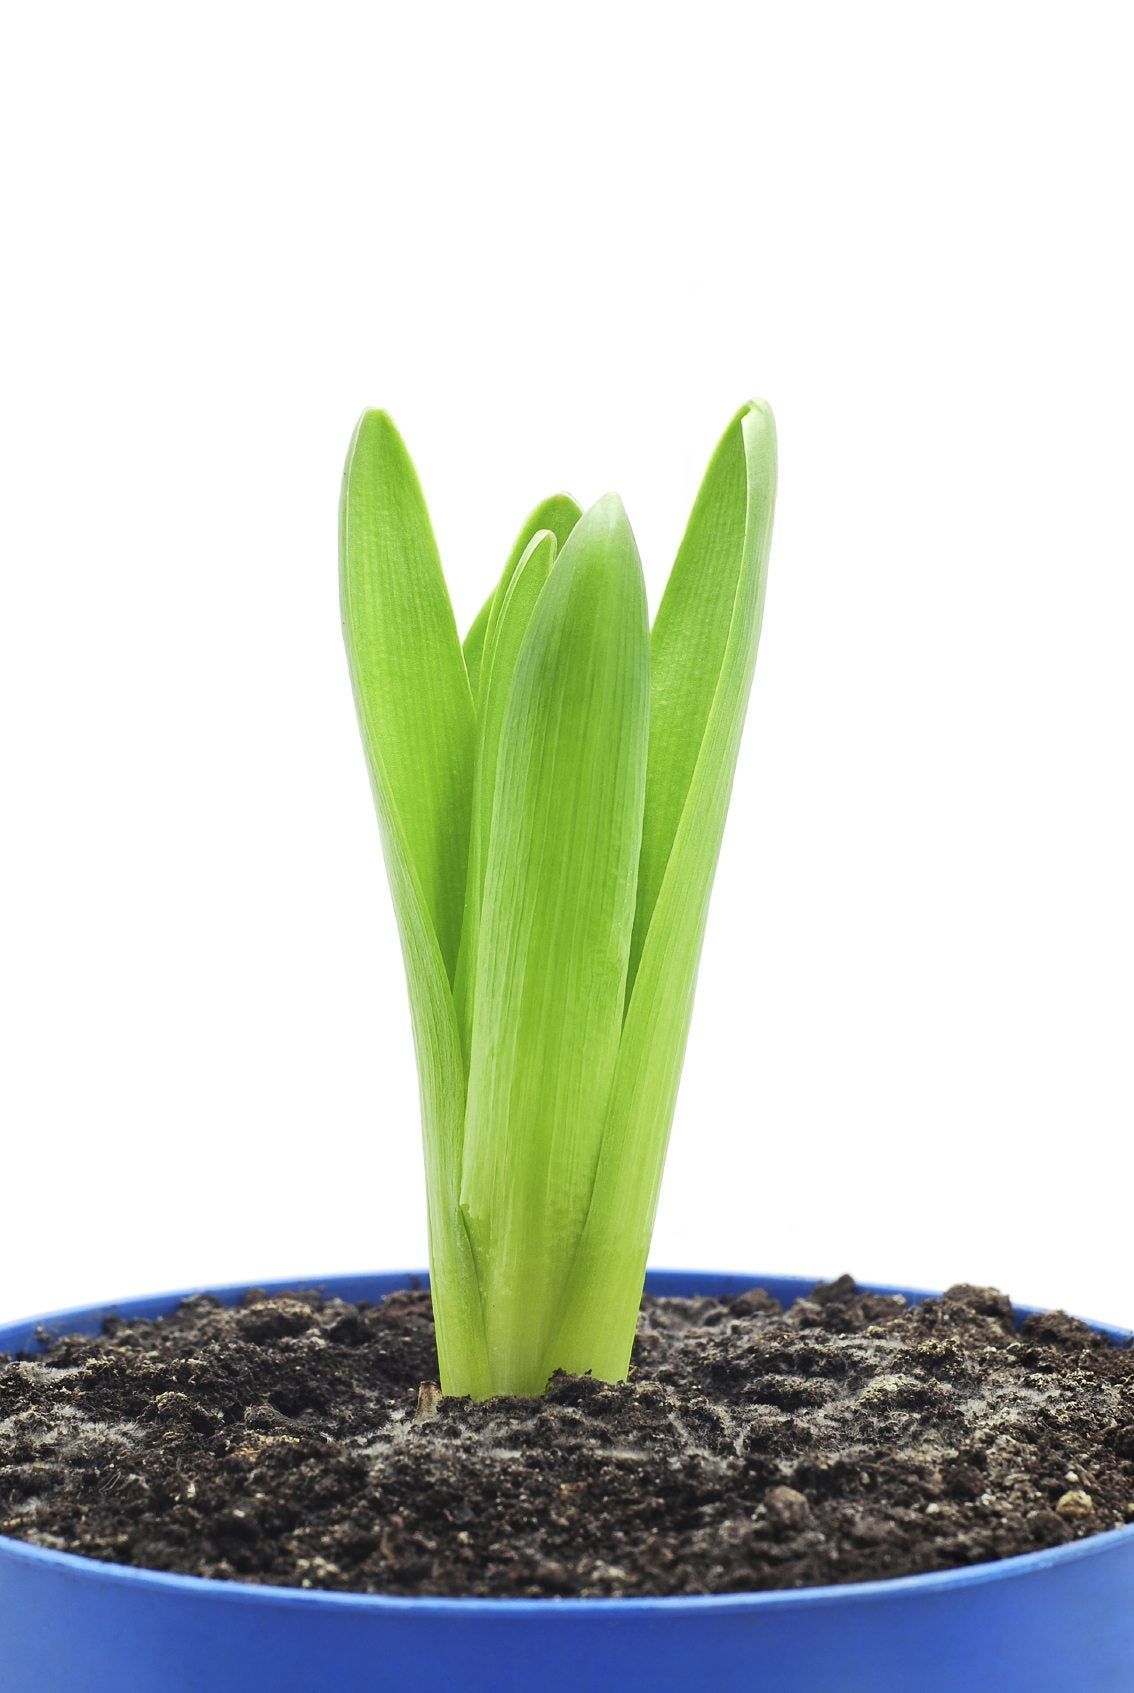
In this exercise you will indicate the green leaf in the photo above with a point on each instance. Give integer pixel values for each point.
(559, 513)
(501, 654)
(416, 717)
(409, 678)
(703, 652)
(687, 652)
(556, 923)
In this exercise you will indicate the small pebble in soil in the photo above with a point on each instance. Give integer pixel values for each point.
(1075, 1504)
(305, 1442)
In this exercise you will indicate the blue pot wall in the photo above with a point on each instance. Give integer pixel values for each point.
(1051, 1622)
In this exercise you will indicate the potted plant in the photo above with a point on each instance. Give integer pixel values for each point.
(545, 1514)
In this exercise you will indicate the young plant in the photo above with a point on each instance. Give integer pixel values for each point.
(551, 801)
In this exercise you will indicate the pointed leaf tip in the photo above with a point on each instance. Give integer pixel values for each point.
(372, 422)
(608, 511)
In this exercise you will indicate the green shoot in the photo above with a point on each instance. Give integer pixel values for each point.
(551, 801)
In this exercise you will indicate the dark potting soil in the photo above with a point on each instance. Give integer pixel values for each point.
(302, 1442)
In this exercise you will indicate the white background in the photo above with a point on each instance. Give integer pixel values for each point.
(561, 244)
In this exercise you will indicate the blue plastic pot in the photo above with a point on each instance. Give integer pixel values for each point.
(1051, 1622)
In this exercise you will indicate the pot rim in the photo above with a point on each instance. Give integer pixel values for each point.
(691, 1282)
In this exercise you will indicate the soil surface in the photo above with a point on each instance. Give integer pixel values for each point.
(302, 1442)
